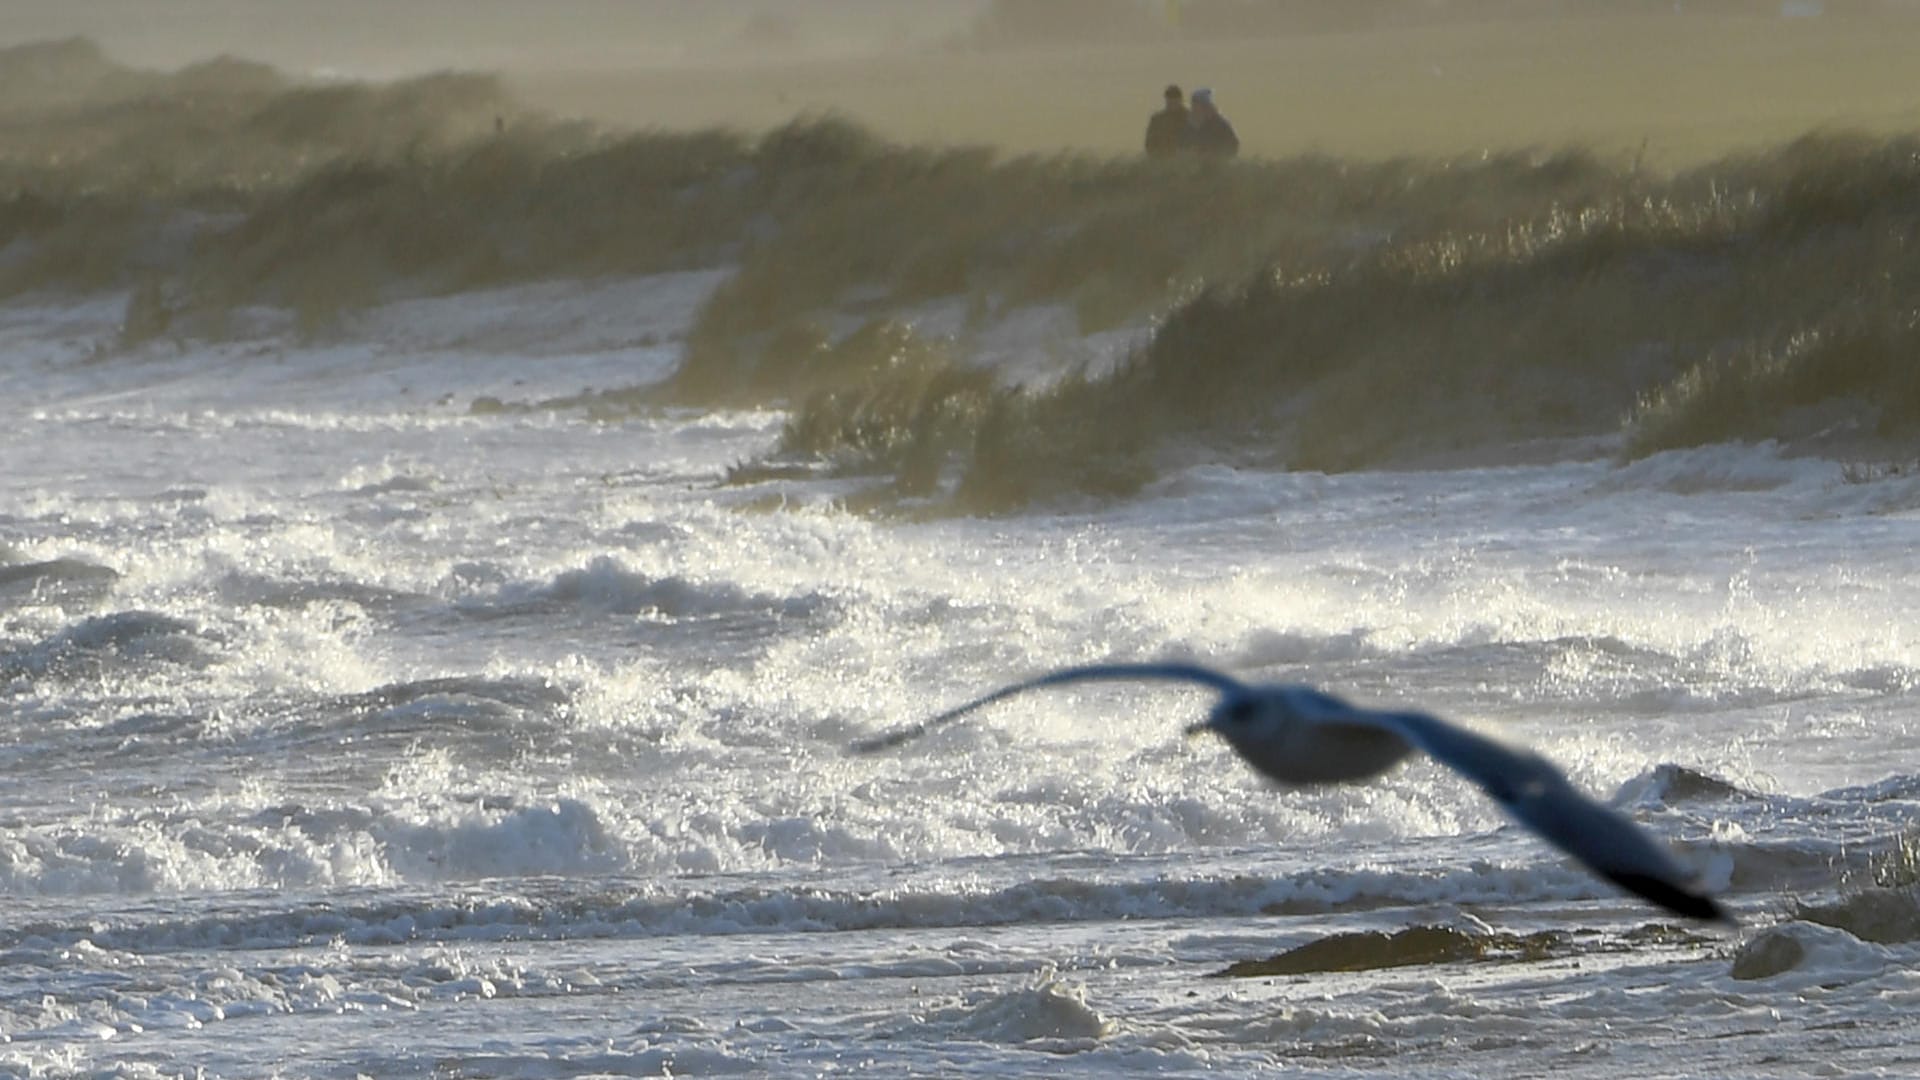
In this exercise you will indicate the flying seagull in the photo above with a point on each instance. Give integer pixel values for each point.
(1297, 736)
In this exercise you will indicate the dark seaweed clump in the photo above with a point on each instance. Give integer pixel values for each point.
(1414, 946)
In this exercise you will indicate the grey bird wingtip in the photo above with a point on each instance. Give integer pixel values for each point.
(1681, 901)
(1172, 671)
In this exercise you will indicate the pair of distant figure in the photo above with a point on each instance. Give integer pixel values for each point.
(1177, 129)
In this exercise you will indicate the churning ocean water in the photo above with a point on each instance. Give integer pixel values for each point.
(350, 731)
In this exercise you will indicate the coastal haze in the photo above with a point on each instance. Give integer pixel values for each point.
(1679, 82)
(470, 472)
(1677, 87)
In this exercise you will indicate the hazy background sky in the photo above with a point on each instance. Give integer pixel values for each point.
(1672, 82)
(385, 37)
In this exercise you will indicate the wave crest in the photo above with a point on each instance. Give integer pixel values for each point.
(106, 644)
(605, 585)
(1048, 1012)
(58, 581)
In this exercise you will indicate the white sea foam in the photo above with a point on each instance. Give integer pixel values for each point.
(1051, 1013)
(1720, 468)
(605, 584)
(519, 738)
(1802, 955)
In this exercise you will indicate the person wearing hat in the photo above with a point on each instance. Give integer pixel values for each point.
(1167, 131)
(1208, 133)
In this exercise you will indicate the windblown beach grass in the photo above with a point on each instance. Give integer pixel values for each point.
(1882, 905)
(1764, 297)
(1306, 312)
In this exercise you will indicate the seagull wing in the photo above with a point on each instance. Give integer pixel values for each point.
(1538, 795)
(1171, 672)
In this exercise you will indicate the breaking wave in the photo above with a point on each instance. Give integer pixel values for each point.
(1047, 1015)
(648, 910)
(59, 581)
(477, 838)
(1668, 784)
(606, 586)
(104, 644)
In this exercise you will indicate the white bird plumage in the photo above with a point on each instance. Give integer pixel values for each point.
(1298, 736)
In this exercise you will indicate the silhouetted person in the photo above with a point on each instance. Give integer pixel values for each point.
(1167, 131)
(1208, 133)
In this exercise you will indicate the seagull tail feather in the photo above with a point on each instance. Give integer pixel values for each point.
(1678, 900)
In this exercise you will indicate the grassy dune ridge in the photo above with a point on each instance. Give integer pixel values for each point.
(1513, 300)
(1307, 311)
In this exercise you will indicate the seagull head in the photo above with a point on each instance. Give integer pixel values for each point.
(1247, 716)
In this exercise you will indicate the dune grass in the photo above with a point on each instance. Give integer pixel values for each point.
(100, 164)
(847, 214)
(1865, 367)
(1883, 904)
(1767, 296)
(1309, 312)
